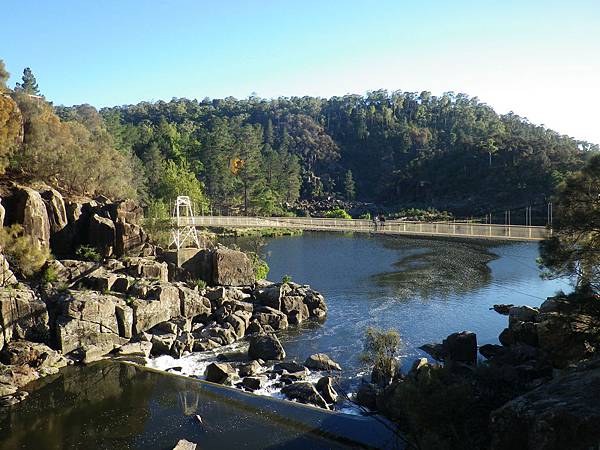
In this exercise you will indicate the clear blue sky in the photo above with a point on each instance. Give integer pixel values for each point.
(539, 58)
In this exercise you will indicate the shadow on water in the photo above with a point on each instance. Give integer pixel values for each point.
(111, 405)
(436, 268)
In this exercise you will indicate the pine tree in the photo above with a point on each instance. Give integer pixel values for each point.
(349, 186)
(29, 84)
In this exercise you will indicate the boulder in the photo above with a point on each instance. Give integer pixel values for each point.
(325, 388)
(162, 343)
(168, 295)
(221, 373)
(25, 207)
(101, 235)
(289, 367)
(148, 268)
(55, 208)
(141, 348)
(2, 214)
(22, 316)
(192, 304)
(126, 211)
(148, 313)
(265, 315)
(7, 277)
(522, 314)
(461, 347)
(502, 308)
(295, 308)
(367, 396)
(266, 347)
(253, 383)
(320, 361)
(183, 444)
(87, 318)
(271, 295)
(304, 392)
(420, 370)
(561, 414)
(316, 305)
(183, 343)
(249, 369)
(232, 268)
(130, 239)
(33, 354)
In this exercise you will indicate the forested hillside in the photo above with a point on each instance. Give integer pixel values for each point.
(260, 156)
(452, 152)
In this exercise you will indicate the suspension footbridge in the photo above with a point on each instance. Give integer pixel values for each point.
(394, 227)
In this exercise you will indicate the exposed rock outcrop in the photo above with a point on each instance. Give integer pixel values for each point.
(25, 206)
(563, 413)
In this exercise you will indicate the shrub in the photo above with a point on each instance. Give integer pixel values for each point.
(50, 275)
(379, 351)
(24, 255)
(88, 253)
(337, 213)
(365, 216)
(199, 283)
(286, 279)
(260, 267)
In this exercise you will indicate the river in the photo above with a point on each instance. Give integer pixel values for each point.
(424, 288)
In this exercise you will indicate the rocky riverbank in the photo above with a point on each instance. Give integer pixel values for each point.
(537, 390)
(134, 302)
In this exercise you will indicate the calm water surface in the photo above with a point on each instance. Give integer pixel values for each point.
(423, 288)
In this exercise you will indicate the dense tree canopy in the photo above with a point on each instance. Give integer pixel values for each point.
(451, 151)
(574, 248)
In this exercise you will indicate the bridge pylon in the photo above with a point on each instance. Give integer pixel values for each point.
(184, 233)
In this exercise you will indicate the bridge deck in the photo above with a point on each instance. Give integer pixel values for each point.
(456, 229)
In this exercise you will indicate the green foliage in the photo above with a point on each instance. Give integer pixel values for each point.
(199, 283)
(286, 279)
(4, 76)
(75, 153)
(260, 266)
(178, 179)
(337, 214)
(24, 255)
(50, 275)
(379, 350)
(349, 186)
(424, 215)
(88, 253)
(29, 84)
(405, 146)
(574, 248)
(365, 216)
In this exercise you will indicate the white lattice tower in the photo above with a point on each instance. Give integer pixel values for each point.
(184, 230)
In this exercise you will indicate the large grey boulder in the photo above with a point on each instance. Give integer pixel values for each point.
(184, 444)
(222, 373)
(232, 268)
(88, 318)
(25, 207)
(22, 316)
(102, 234)
(266, 347)
(320, 361)
(55, 208)
(461, 347)
(148, 313)
(561, 414)
(192, 304)
(304, 392)
(265, 315)
(325, 388)
(148, 268)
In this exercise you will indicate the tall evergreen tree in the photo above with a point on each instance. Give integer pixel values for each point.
(29, 84)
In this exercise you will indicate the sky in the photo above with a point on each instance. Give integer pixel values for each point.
(538, 58)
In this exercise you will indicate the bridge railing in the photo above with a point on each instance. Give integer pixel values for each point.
(466, 229)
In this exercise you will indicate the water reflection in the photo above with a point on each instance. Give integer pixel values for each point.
(119, 406)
